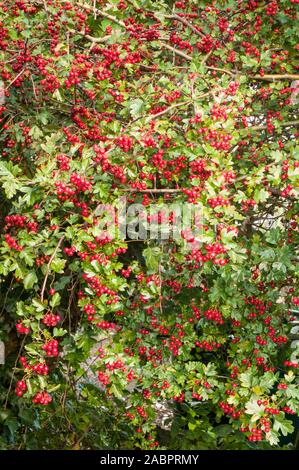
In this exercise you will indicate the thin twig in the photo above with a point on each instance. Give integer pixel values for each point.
(16, 78)
(102, 13)
(177, 105)
(33, 86)
(261, 128)
(178, 190)
(218, 69)
(91, 38)
(176, 51)
(186, 23)
(49, 267)
(287, 76)
(14, 371)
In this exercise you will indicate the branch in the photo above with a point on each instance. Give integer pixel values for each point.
(277, 193)
(16, 78)
(287, 76)
(14, 372)
(178, 190)
(229, 72)
(91, 38)
(177, 105)
(177, 52)
(49, 267)
(261, 128)
(217, 69)
(186, 23)
(102, 13)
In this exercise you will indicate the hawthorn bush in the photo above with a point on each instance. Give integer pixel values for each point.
(189, 101)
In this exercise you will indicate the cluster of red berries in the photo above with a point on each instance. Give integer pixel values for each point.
(146, 394)
(12, 243)
(256, 435)
(42, 398)
(40, 260)
(103, 378)
(21, 388)
(124, 142)
(260, 341)
(90, 310)
(141, 411)
(175, 39)
(286, 191)
(131, 376)
(40, 368)
(279, 339)
(218, 140)
(206, 346)
(266, 424)
(114, 365)
(198, 169)
(70, 251)
(272, 8)
(214, 315)
(23, 330)
(230, 410)
(217, 201)
(63, 191)
(101, 73)
(219, 112)
(282, 386)
(174, 345)
(81, 184)
(196, 396)
(50, 83)
(212, 250)
(272, 411)
(97, 286)
(290, 364)
(15, 221)
(106, 325)
(23, 361)
(288, 410)
(126, 272)
(179, 398)
(249, 203)
(50, 319)
(64, 162)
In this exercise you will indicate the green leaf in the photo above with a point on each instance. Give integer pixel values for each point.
(272, 438)
(252, 408)
(42, 381)
(192, 426)
(59, 332)
(55, 300)
(39, 306)
(283, 425)
(116, 391)
(246, 379)
(136, 107)
(152, 257)
(261, 195)
(58, 265)
(12, 424)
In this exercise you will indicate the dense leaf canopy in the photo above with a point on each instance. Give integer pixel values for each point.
(188, 102)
